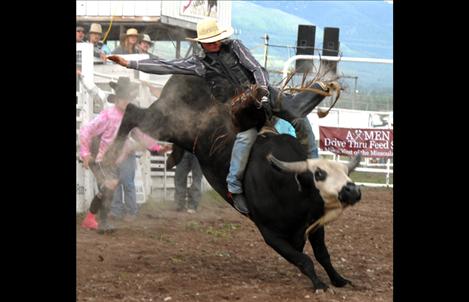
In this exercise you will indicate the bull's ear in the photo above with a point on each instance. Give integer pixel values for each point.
(354, 163)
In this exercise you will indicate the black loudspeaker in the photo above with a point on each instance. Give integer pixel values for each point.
(331, 46)
(305, 46)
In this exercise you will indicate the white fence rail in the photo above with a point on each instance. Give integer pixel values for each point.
(163, 179)
(367, 166)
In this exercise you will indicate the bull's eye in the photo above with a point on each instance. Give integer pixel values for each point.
(320, 175)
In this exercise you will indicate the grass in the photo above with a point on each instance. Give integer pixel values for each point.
(370, 177)
(222, 230)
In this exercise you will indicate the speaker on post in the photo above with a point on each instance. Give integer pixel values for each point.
(331, 46)
(305, 46)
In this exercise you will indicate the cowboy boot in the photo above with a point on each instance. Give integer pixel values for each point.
(90, 222)
(239, 202)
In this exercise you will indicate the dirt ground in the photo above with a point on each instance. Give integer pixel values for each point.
(218, 255)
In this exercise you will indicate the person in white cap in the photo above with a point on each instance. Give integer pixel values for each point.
(144, 46)
(230, 68)
(94, 37)
(129, 44)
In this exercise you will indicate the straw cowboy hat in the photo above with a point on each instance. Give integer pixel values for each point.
(131, 32)
(124, 89)
(209, 32)
(146, 38)
(96, 28)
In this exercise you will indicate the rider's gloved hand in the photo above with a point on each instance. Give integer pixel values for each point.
(265, 103)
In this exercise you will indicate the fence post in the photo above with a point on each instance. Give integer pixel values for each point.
(388, 166)
(266, 49)
(164, 177)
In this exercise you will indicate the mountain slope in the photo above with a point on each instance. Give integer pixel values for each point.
(361, 35)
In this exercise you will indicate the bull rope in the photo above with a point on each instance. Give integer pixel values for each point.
(108, 30)
(332, 210)
(215, 147)
(313, 227)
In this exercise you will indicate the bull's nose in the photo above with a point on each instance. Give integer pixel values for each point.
(350, 193)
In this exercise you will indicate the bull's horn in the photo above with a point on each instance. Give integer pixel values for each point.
(354, 163)
(293, 167)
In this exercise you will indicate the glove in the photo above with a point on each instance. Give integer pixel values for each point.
(265, 103)
(262, 91)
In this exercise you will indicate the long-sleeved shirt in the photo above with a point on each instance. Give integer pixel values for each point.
(194, 66)
(99, 48)
(105, 125)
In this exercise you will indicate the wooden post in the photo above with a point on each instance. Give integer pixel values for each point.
(178, 49)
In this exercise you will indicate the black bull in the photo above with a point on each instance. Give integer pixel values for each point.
(187, 116)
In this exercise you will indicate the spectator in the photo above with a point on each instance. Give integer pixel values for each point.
(95, 138)
(129, 45)
(94, 37)
(144, 45)
(80, 34)
(188, 163)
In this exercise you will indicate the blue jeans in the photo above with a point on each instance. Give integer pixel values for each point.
(244, 142)
(239, 159)
(188, 163)
(126, 187)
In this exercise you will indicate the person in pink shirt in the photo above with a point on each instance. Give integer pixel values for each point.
(95, 138)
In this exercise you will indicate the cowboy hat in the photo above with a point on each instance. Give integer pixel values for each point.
(131, 32)
(96, 29)
(124, 89)
(209, 32)
(146, 38)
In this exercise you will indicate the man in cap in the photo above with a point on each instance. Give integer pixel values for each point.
(229, 67)
(129, 44)
(80, 34)
(144, 45)
(94, 37)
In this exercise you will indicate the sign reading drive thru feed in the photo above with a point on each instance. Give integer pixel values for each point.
(351, 141)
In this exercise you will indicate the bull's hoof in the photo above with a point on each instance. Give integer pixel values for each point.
(340, 282)
(320, 287)
(322, 291)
